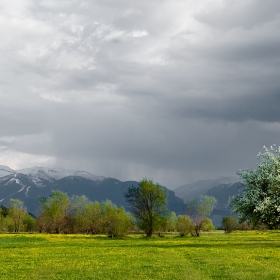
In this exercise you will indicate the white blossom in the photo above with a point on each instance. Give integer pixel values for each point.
(260, 201)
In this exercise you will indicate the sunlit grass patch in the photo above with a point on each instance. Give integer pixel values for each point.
(239, 255)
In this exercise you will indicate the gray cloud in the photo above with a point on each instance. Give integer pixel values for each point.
(232, 14)
(174, 91)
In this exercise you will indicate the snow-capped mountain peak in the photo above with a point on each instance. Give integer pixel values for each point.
(5, 170)
(57, 173)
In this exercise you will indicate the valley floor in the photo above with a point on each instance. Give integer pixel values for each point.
(239, 255)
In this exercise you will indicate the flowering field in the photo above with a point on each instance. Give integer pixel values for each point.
(239, 255)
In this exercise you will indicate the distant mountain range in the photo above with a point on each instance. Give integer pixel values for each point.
(194, 190)
(222, 189)
(28, 185)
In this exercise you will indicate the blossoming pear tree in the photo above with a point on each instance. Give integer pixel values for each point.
(259, 201)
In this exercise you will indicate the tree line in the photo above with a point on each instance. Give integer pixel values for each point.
(256, 206)
(61, 214)
(148, 213)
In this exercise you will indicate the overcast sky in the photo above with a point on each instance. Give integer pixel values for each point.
(175, 91)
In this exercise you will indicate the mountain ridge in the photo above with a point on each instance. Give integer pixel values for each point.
(222, 189)
(193, 190)
(29, 185)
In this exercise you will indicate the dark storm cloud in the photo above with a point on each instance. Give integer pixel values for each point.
(264, 108)
(171, 90)
(22, 122)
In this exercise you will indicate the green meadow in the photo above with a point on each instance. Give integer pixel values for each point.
(239, 255)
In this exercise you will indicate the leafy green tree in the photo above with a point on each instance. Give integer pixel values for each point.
(17, 214)
(29, 223)
(148, 205)
(93, 217)
(115, 221)
(54, 211)
(207, 225)
(229, 224)
(171, 222)
(41, 223)
(124, 223)
(4, 212)
(198, 210)
(259, 202)
(6, 222)
(76, 219)
(108, 211)
(184, 225)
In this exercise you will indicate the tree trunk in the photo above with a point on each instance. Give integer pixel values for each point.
(149, 232)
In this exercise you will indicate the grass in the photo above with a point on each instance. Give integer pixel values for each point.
(239, 255)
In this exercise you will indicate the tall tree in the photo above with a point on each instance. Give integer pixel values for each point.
(76, 220)
(93, 217)
(171, 222)
(259, 203)
(17, 213)
(54, 211)
(6, 222)
(184, 225)
(115, 221)
(148, 205)
(199, 209)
